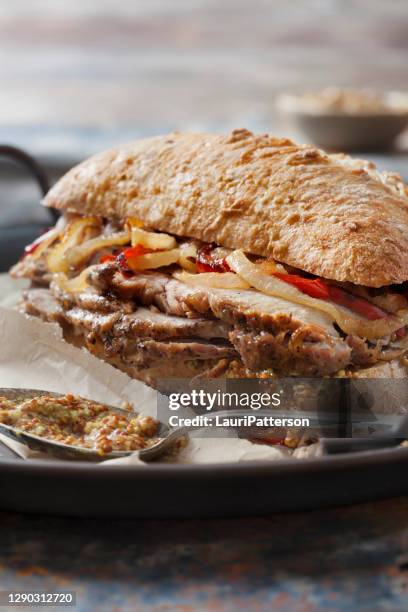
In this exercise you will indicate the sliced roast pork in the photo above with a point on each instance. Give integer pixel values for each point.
(267, 332)
(145, 341)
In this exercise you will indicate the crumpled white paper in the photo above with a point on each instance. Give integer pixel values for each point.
(34, 355)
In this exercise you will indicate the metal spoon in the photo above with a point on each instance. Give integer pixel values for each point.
(65, 451)
(167, 436)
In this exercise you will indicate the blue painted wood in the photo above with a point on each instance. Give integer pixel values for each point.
(343, 559)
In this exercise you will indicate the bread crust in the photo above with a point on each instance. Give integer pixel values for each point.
(326, 214)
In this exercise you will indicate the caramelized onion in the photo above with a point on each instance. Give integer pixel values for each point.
(188, 252)
(76, 232)
(347, 320)
(82, 252)
(152, 240)
(153, 260)
(72, 285)
(36, 248)
(227, 280)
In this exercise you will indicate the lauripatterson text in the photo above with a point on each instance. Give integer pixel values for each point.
(250, 420)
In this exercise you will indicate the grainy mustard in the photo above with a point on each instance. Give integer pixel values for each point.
(78, 422)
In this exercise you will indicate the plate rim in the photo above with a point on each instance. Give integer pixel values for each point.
(184, 470)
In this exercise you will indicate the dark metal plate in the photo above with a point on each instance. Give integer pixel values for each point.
(165, 491)
(186, 491)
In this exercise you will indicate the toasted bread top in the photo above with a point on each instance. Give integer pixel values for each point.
(326, 214)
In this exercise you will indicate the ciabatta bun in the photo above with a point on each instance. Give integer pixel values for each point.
(326, 214)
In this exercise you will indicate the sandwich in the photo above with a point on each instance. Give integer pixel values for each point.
(203, 255)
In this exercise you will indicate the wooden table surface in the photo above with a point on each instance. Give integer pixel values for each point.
(352, 558)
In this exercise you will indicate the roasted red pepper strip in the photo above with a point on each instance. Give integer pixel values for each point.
(131, 252)
(205, 263)
(111, 256)
(317, 288)
(202, 267)
(136, 251)
(106, 258)
(356, 304)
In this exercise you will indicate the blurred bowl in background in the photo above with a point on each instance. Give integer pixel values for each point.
(346, 119)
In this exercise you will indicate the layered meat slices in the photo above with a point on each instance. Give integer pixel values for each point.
(157, 306)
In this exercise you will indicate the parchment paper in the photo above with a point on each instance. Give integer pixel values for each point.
(34, 355)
